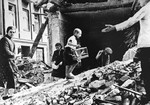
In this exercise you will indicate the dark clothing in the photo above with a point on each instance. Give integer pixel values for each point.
(143, 54)
(7, 49)
(7, 75)
(58, 57)
(104, 59)
(69, 56)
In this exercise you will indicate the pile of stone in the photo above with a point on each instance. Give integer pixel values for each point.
(114, 84)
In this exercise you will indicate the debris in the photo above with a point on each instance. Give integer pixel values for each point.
(115, 84)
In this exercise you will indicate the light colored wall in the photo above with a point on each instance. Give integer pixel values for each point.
(22, 37)
(55, 30)
(29, 43)
(1, 19)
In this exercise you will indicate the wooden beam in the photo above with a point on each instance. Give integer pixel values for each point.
(39, 36)
(95, 6)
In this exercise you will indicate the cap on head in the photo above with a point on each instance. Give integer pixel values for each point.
(77, 30)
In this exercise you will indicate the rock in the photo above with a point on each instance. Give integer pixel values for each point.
(96, 84)
(127, 83)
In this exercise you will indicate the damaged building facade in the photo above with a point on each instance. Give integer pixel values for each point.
(90, 16)
(116, 84)
(27, 19)
(65, 15)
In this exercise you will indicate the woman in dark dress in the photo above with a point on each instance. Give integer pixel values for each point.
(57, 60)
(7, 55)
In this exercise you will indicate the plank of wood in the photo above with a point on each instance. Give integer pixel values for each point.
(37, 39)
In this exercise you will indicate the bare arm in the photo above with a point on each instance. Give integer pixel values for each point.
(128, 23)
(99, 54)
(132, 20)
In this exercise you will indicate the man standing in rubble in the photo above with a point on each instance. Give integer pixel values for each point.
(70, 57)
(143, 43)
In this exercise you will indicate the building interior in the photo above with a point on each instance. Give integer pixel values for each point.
(91, 23)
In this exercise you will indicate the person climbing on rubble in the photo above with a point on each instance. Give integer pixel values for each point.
(143, 42)
(70, 55)
(58, 63)
(7, 64)
(104, 56)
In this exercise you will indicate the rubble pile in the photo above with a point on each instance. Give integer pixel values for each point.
(115, 84)
(30, 73)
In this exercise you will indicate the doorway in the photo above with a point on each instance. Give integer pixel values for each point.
(25, 51)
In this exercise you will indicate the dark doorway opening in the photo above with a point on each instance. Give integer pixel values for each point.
(25, 51)
(91, 24)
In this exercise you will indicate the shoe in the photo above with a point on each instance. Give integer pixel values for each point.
(6, 97)
(70, 76)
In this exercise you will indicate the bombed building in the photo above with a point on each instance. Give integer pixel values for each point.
(91, 16)
(118, 83)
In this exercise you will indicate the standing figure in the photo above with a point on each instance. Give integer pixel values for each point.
(70, 56)
(7, 64)
(57, 61)
(104, 56)
(143, 42)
